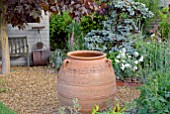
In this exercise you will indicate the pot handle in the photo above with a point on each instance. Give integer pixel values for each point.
(109, 62)
(65, 62)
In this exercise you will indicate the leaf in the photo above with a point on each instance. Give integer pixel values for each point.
(162, 99)
(97, 107)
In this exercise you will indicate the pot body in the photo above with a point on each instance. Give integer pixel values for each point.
(88, 77)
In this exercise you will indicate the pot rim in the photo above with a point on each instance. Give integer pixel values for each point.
(97, 55)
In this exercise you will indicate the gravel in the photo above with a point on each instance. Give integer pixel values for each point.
(33, 91)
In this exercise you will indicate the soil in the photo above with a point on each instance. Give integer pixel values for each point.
(33, 91)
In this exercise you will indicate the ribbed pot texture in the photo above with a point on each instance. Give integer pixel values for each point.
(88, 76)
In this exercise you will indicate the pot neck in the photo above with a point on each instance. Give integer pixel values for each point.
(86, 55)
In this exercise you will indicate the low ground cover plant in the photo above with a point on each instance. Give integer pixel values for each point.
(155, 94)
(114, 110)
(5, 110)
(76, 107)
(3, 86)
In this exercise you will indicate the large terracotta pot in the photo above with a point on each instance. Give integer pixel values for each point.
(88, 76)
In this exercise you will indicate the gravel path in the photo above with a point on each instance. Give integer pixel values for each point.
(33, 91)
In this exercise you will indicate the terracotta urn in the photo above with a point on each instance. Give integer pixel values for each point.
(88, 76)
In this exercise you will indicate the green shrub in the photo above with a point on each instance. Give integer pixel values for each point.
(120, 29)
(5, 110)
(56, 58)
(58, 33)
(88, 23)
(156, 56)
(155, 94)
(164, 24)
(59, 25)
(74, 42)
(75, 37)
(153, 5)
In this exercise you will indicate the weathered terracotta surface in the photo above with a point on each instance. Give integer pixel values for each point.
(88, 76)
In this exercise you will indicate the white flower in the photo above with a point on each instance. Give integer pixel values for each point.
(129, 56)
(117, 61)
(122, 55)
(127, 65)
(123, 61)
(143, 4)
(135, 68)
(123, 50)
(141, 59)
(122, 67)
(136, 54)
(153, 35)
(118, 56)
(148, 42)
(159, 40)
(136, 62)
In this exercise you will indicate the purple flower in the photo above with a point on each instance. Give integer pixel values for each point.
(169, 53)
(72, 39)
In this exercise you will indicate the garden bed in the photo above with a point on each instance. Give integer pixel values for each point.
(33, 91)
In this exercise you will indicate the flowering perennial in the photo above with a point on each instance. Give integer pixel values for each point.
(127, 65)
